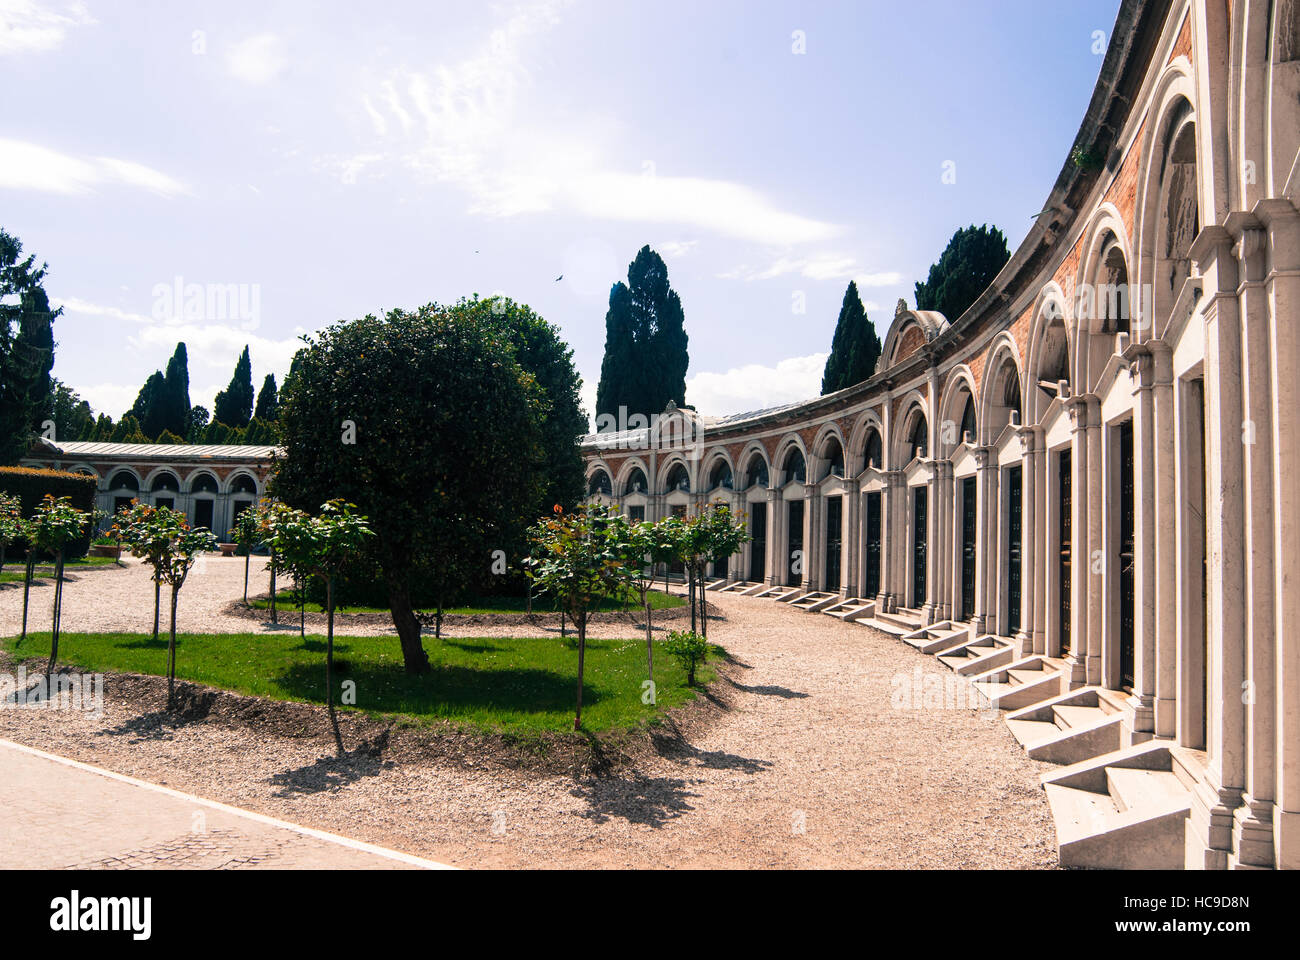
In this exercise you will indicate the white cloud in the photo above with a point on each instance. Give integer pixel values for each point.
(676, 249)
(258, 60)
(76, 305)
(27, 166)
(817, 267)
(217, 346)
(30, 26)
(113, 399)
(462, 123)
(755, 386)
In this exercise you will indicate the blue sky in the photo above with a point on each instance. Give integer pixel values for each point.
(324, 160)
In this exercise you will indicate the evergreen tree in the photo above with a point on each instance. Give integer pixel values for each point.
(968, 265)
(199, 418)
(72, 416)
(150, 405)
(26, 349)
(176, 405)
(128, 431)
(645, 342)
(855, 346)
(234, 405)
(268, 400)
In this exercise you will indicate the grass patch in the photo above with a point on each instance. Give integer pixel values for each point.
(482, 605)
(523, 686)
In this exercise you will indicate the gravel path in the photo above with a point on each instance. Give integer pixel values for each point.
(811, 766)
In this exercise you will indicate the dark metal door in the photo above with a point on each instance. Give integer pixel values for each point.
(968, 548)
(920, 516)
(1127, 559)
(1066, 580)
(834, 542)
(758, 542)
(1014, 532)
(794, 556)
(873, 544)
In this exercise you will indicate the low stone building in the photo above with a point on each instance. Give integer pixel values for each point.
(209, 484)
(1088, 484)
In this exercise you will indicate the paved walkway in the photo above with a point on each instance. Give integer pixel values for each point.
(63, 814)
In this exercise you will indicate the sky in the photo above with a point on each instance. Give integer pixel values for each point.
(231, 173)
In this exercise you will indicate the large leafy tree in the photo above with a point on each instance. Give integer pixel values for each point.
(26, 348)
(233, 406)
(645, 342)
(427, 423)
(968, 265)
(855, 347)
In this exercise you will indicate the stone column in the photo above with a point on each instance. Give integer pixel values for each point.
(1219, 793)
(1031, 574)
(775, 524)
(1096, 495)
(1165, 522)
(985, 540)
(933, 546)
(850, 552)
(813, 554)
(1080, 560)
(1142, 701)
(1282, 222)
(1253, 827)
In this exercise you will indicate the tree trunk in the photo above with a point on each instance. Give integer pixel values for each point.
(704, 620)
(690, 592)
(54, 617)
(3, 548)
(27, 589)
(437, 617)
(171, 656)
(649, 640)
(563, 633)
(272, 568)
(157, 602)
(329, 662)
(301, 588)
(408, 627)
(247, 557)
(582, 654)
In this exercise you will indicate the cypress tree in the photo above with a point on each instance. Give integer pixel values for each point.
(645, 342)
(150, 407)
(176, 405)
(268, 400)
(855, 347)
(234, 405)
(967, 266)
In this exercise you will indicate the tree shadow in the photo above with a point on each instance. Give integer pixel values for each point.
(650, 801)
(444, 690)
(784, 693)
(193, 705)
(332, 773)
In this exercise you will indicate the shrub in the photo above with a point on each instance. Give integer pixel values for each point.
(688, 649)
(32, 484)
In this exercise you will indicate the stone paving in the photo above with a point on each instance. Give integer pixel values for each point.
(66, 815)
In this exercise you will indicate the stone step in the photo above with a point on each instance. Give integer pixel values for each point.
(1125, 809)
(1072, 717)
(852, 610)
(1028, 732)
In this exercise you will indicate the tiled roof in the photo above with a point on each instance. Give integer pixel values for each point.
(155, 451)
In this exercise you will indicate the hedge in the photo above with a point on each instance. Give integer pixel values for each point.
(31, 484)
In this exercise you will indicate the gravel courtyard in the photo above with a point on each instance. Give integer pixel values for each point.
(810, 765)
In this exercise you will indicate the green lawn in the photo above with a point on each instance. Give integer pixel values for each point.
(483, 605)
(13, 570)
(492, 684)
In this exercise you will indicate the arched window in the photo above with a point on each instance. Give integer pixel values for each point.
(204, 483)
(1180, 212)
(599, 484)
(720, 476)
(678, 479)
(875, 449)
(918, 442)
(833, 454)
(756, 473)
(165, 483)
(124, 480)
(968, 431)
(244, 484)
(636, 482)
(1114, 306)
(794, 467)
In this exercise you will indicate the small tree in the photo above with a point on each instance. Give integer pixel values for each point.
(720, 534)
(321, 546)
(289, 534)
(688, 648)
(55, 524)
(641, 543)
(12, 526)
(185, 546)
(146, 532)
(579, 561)
(248, 534)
